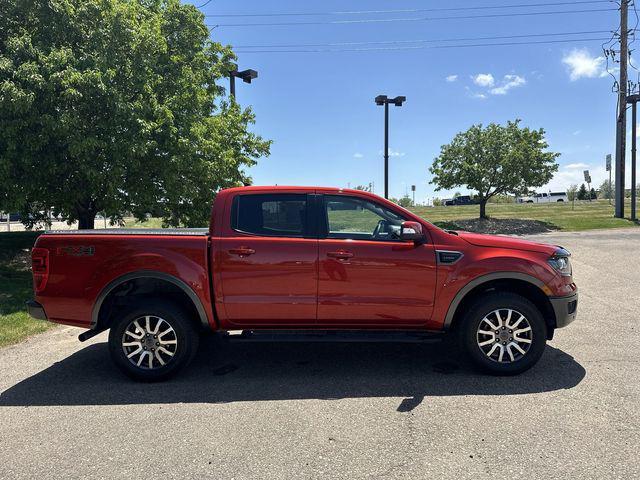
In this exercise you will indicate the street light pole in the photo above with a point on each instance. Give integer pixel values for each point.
(384, 100)
(246, 76)
(386, 150)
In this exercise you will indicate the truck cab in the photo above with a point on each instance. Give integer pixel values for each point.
(303, 259)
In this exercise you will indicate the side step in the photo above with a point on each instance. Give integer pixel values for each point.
(346, 336)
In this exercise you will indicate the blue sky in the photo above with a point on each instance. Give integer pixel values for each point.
(318, 108)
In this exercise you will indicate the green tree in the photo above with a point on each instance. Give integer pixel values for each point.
(606, 189)
(405, 201)
(582, 193)
(115, 106)
(495, 160)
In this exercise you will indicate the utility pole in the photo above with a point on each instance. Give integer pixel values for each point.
(633, 100)
(621, 124)
(608, 169)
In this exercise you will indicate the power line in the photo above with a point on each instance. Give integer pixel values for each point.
(395, 42)
(420, 47)
(204, 4)
(414, 10)
(416, 19)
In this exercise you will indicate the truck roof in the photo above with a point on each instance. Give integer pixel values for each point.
(291, 187)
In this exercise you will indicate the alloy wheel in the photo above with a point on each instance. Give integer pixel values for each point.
(504, 335)
(149, 342)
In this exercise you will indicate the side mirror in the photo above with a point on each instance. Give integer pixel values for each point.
(411, 232)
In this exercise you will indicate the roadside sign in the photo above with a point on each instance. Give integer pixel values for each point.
(608, 162)
(413, 188)
(587, 177)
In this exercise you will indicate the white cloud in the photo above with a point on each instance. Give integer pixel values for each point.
(358, 155)
(484, 80)
(577, 132)
(451, 78)
(573, 166)
(473, 94)
(508, 82)
(581, 64)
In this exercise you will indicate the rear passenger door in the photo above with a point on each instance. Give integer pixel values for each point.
(267, 260)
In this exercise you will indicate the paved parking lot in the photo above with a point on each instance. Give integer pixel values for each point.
(282, 411)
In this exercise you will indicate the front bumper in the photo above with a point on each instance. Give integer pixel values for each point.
(565, 309)
(36, 310)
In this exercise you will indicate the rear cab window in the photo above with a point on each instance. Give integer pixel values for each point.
(271, 215)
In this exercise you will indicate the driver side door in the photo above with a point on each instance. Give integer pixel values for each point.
(367, 275)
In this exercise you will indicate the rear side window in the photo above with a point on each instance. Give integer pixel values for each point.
(279, 215)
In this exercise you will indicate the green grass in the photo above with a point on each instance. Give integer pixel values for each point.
(16, 289)
(583, 216)
(150, 223)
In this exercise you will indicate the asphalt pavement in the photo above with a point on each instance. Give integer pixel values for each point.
(343, 411)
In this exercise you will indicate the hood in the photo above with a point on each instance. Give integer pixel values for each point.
(498, 241)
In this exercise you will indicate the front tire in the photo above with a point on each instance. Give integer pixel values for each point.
(503, 334)
(152, 340)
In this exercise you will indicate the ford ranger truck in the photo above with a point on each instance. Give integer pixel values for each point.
(298, 259)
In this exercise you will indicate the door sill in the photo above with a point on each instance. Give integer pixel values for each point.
(346, 336)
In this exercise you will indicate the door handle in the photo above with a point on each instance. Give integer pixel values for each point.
(242, 251)
(341, 255)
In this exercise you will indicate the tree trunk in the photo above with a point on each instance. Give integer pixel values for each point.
(86, 220)
(483, 208)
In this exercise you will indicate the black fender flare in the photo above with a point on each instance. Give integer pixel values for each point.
(202, 314)
(489, 277)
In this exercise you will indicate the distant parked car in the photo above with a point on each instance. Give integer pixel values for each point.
(15, 217)
(461, 200)
(545, 198)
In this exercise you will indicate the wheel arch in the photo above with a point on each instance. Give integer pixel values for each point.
(100, 315)
(522, 284)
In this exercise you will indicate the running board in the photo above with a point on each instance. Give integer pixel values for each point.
(332, 336)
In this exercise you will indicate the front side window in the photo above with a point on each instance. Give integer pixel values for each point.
(279, 215)
(358, 219)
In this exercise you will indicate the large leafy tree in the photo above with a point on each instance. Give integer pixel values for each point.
(495, 160)
(115, 106)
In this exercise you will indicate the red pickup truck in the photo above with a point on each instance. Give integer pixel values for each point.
(295, 259)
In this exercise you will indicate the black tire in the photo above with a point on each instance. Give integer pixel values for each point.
(184, 334)
(485, 307)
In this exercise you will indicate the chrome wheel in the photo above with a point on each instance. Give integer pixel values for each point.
(504, 335)
(149, 342)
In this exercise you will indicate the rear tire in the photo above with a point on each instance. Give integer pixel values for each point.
(152, 340)
(503, 334)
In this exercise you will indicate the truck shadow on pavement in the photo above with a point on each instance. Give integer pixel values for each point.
(247, 372)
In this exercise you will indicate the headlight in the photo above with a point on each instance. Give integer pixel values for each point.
(560, 262)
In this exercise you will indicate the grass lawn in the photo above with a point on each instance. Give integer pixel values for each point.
(583, 216)
(16, 288)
